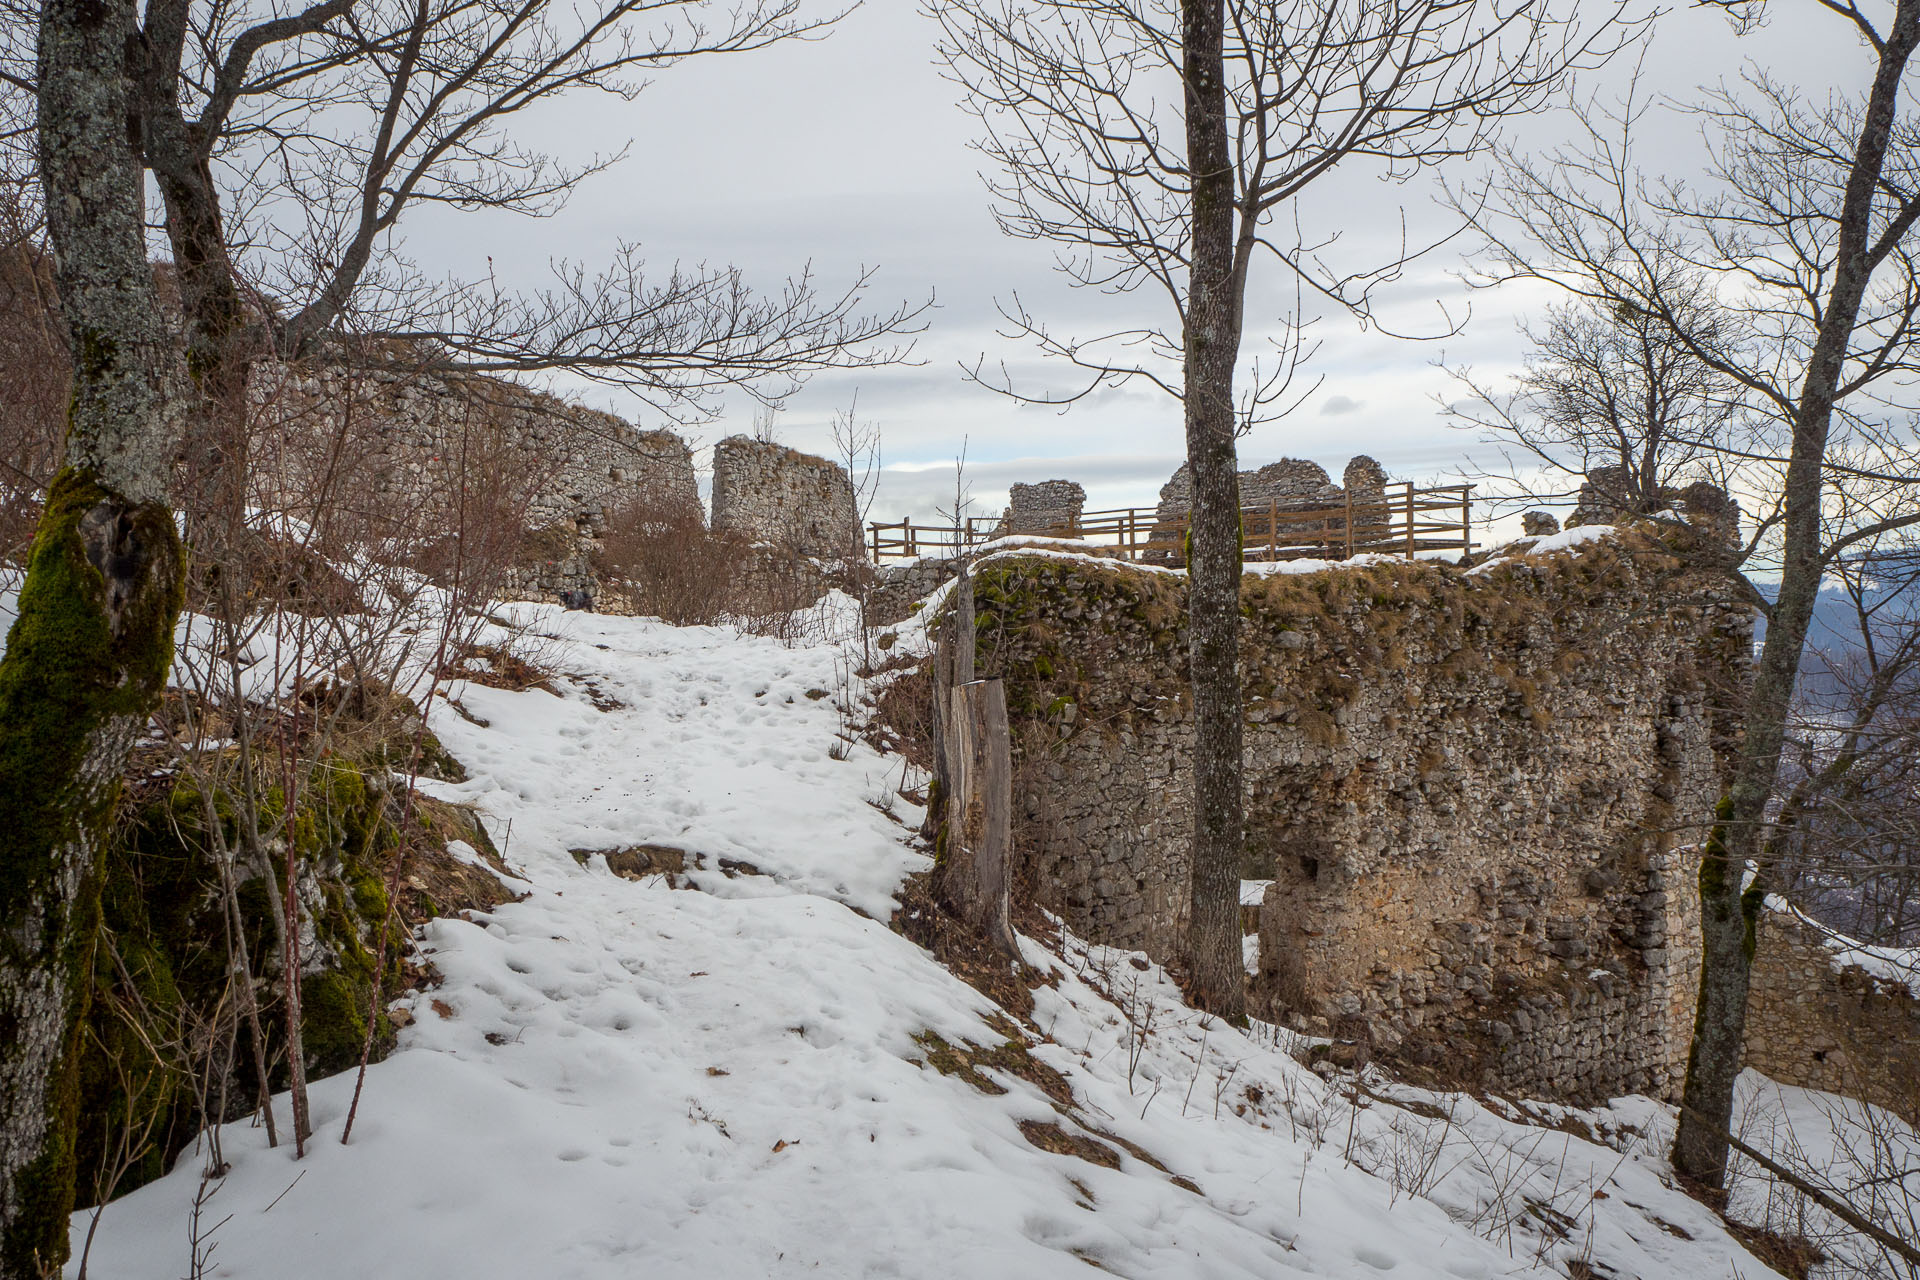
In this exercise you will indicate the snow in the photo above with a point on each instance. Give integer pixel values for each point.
(1870, 1156)
(1897, 965)
(719, 1076)
(1568, 539)
(1066, 550)
(1565, 540)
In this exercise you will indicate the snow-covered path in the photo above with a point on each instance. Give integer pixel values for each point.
(619, 1078)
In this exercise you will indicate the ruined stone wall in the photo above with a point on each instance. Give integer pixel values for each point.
(1291, 484)
(398, 441)
(1470, 788)
(767, 492)
(1051, 507)
(1608, 494)
(1819, 1025)
(1289, 481)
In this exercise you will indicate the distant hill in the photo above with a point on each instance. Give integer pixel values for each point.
(1835, 639)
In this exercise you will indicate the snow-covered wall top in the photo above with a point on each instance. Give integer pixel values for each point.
(1826, 1013)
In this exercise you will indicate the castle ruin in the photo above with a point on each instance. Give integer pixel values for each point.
(398, 438)
(1050, 508)
(1472, 790)
(768, 493)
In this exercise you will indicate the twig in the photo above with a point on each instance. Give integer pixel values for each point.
(1838, 1208)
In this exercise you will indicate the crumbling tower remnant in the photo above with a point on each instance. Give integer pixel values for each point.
(1049, 509)
(1365, 479)
(1291, 485)
(1611, 494)
(766, 492)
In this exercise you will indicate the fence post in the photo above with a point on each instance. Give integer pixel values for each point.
(1410, 544)
(1466, 519)
(1349, 497)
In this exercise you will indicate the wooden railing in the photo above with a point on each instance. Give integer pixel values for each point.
(1403, 520)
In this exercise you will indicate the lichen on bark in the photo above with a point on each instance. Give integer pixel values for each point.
(90, 647)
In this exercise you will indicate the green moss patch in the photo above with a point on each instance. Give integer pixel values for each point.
(162, 1007)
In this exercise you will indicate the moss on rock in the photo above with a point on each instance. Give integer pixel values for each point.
(164, 969)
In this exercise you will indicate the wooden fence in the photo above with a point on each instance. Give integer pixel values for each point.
(1403, 520)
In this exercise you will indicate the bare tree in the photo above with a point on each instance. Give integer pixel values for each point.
(1159, 142)
(1845, 846)
(856, 447)
(1608, 396)
(1804, 225)
(288, 148)
(88, 653)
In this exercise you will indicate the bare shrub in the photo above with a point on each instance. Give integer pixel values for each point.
(338, 599)
(777, 590)
(412, 468)
(663, 561)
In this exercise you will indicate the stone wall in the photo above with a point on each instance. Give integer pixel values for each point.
(766, 492)
(1608, 494)
(1290, 480)
(1470, 789)
(397, 441)
(1289, 484)
(1821, 1025)
(1050, 508)
(898, 587)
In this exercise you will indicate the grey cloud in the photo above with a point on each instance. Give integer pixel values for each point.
(767, 160)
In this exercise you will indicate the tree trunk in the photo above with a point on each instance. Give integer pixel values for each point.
(963, 627)
(1729, 909)
(1212, 337)
(973, 878)
(88, 654)
(213, 492)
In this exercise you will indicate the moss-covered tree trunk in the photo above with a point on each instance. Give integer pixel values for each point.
(88, 654)
(1729, 906)
(1212, 335)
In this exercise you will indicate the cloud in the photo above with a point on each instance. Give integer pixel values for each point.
(1337, 405)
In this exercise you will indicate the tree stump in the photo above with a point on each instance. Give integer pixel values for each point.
(973, 878)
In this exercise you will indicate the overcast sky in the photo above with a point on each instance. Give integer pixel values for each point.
(851, 151)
